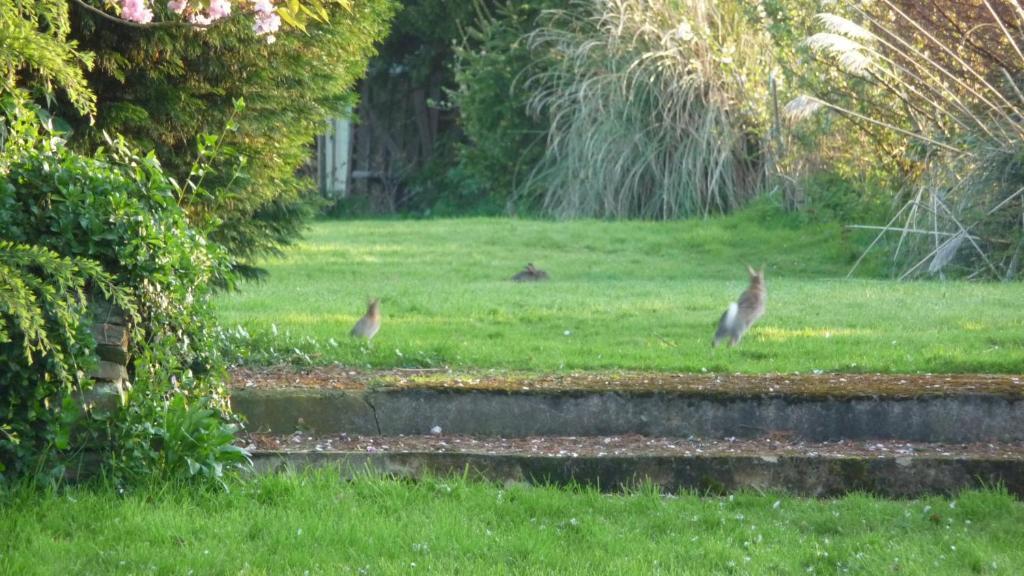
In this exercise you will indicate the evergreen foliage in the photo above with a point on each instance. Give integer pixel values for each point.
(163, 88)
(36, 54)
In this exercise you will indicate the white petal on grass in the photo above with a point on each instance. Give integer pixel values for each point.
(685, 31)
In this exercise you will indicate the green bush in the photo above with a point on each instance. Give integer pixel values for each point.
(504, 142)
(45, 347)
(36, 56)
(865, 162)
(75, 226)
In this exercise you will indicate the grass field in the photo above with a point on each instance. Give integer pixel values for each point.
(622, 295)
(315, 524)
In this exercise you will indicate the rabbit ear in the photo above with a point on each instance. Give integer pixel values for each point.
(761, 271)
(751, 271)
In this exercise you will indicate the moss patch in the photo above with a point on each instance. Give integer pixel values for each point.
(702, 385)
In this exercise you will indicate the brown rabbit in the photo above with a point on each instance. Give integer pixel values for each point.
(530, 274)
(369, 324)
(742, 314)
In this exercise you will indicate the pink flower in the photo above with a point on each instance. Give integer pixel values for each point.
(177, 6)
(266, 22)
(219, 9)
(136, 11)
(199, 19)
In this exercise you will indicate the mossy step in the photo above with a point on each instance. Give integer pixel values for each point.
(821, 385)
(612, 463)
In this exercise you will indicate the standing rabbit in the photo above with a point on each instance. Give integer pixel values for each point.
(369, 324)
(742, 314)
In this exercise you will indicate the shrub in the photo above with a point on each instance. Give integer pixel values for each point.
(109, 222)
(45, 347)
(829, 166)
(504, 142)
(36, 56)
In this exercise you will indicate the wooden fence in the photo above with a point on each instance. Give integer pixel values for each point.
(393, 133)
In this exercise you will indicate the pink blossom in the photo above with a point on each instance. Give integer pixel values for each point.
(200, 19)
(266, 20)
(136, 11)
(177, 6)
(266, 23)
(219, 9)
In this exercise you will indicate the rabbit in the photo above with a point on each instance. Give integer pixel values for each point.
(369, 324)
(530, 274)
(742, 314)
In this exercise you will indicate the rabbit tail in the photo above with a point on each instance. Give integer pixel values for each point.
(727, 326)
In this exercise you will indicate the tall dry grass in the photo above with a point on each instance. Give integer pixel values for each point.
(960, 93)
(657, 109)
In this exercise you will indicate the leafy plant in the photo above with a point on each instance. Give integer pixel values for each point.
(108, 223)
(180, 437)
(504, 142)
(36, 55)
(46, 348)
(806, 159)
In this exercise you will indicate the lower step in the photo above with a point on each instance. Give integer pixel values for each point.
(963, 415)
(892, 469)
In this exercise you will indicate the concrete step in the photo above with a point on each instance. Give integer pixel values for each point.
(891, 469)
(929, 409)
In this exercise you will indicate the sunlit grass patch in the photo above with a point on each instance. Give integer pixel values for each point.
(630, 295)
(776, 334)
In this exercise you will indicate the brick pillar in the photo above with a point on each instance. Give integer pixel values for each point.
(110, 328)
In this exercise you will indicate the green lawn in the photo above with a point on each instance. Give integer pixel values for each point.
(622, 295)
(315, 524)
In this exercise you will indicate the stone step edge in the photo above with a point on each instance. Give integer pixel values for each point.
(930, 419)
(797, 475)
